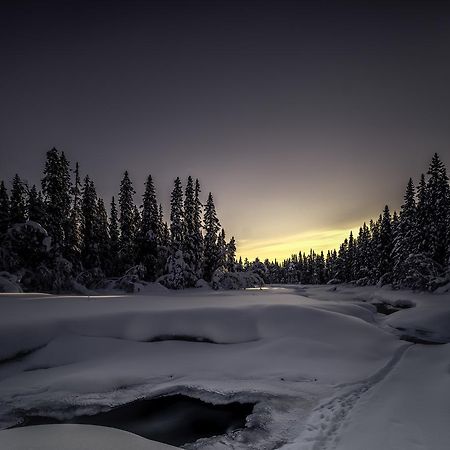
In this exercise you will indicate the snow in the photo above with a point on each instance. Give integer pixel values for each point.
(8, 283)
(75, 437)
(323, 366)
(410, 406)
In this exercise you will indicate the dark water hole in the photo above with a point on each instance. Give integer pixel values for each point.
(417, 340)
(385, 308)
(174, 419)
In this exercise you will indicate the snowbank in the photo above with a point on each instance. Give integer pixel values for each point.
(75, 437)
(309, 356)
(409, 409)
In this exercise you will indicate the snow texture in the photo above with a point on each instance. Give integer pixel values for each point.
(324, 368)
(75, 437)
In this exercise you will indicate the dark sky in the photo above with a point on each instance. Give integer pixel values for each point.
(303, 118)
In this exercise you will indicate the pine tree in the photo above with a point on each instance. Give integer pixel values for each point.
(176, 217)
(341, 263)
(421, 238)
(89, 246)
(35, 206)
(101, 234)
(211, 251)
(363, 254)
(231, 255)
(438, 195)
(386, 245)
(149, 232)
(189, 224)
(66, 197)
(197, 232)
(74, 237)
(222, 249)
(351, 258)
(405, 243)
(375, 249)
(56, 190)
(114, 240)
(127, 222)
(18, 205)
(4, 209)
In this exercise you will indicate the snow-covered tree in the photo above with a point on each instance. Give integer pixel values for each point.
(405, 235)
(101, 233)
(176, 217)
(56, 189)
(438, 197)
(211, 250)
(89, 246)
(74, 237)
(231, 255)
(114, 238)
(35, 206)
(149, 231)
(17, 202)
(127, 222)
(385, 264)
(4, 208)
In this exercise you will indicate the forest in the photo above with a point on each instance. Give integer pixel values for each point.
(61, 237)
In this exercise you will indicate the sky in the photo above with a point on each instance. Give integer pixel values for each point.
(304, 118)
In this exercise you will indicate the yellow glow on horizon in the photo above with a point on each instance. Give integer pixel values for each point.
(285, 246)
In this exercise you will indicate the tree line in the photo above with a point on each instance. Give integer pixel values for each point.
(61, 235)
(410, 249)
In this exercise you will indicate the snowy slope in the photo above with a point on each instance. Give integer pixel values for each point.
(299, 353)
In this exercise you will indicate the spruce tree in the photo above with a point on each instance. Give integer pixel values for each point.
(351, 258)
(211, 250)
(176, 217)
(231, 255)
(127, 222)
(149, 231)
(18, 204)
(375, 249)
(102, 237)
(405, 243)
(421, 238)
(4, 209)
(35, 206)
(438, 195)
(222, 249)
(363, 253)
(56, 190)
(198, 236)
(385, 264)
(189, 224)
(114, 243)
(74, 237)
(89, 246)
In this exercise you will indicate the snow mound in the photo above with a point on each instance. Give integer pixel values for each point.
(9, 283)
(75, 437)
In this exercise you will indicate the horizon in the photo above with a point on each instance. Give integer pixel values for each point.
(319, 240)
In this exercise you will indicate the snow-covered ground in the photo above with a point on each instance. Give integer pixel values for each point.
(324, 368)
